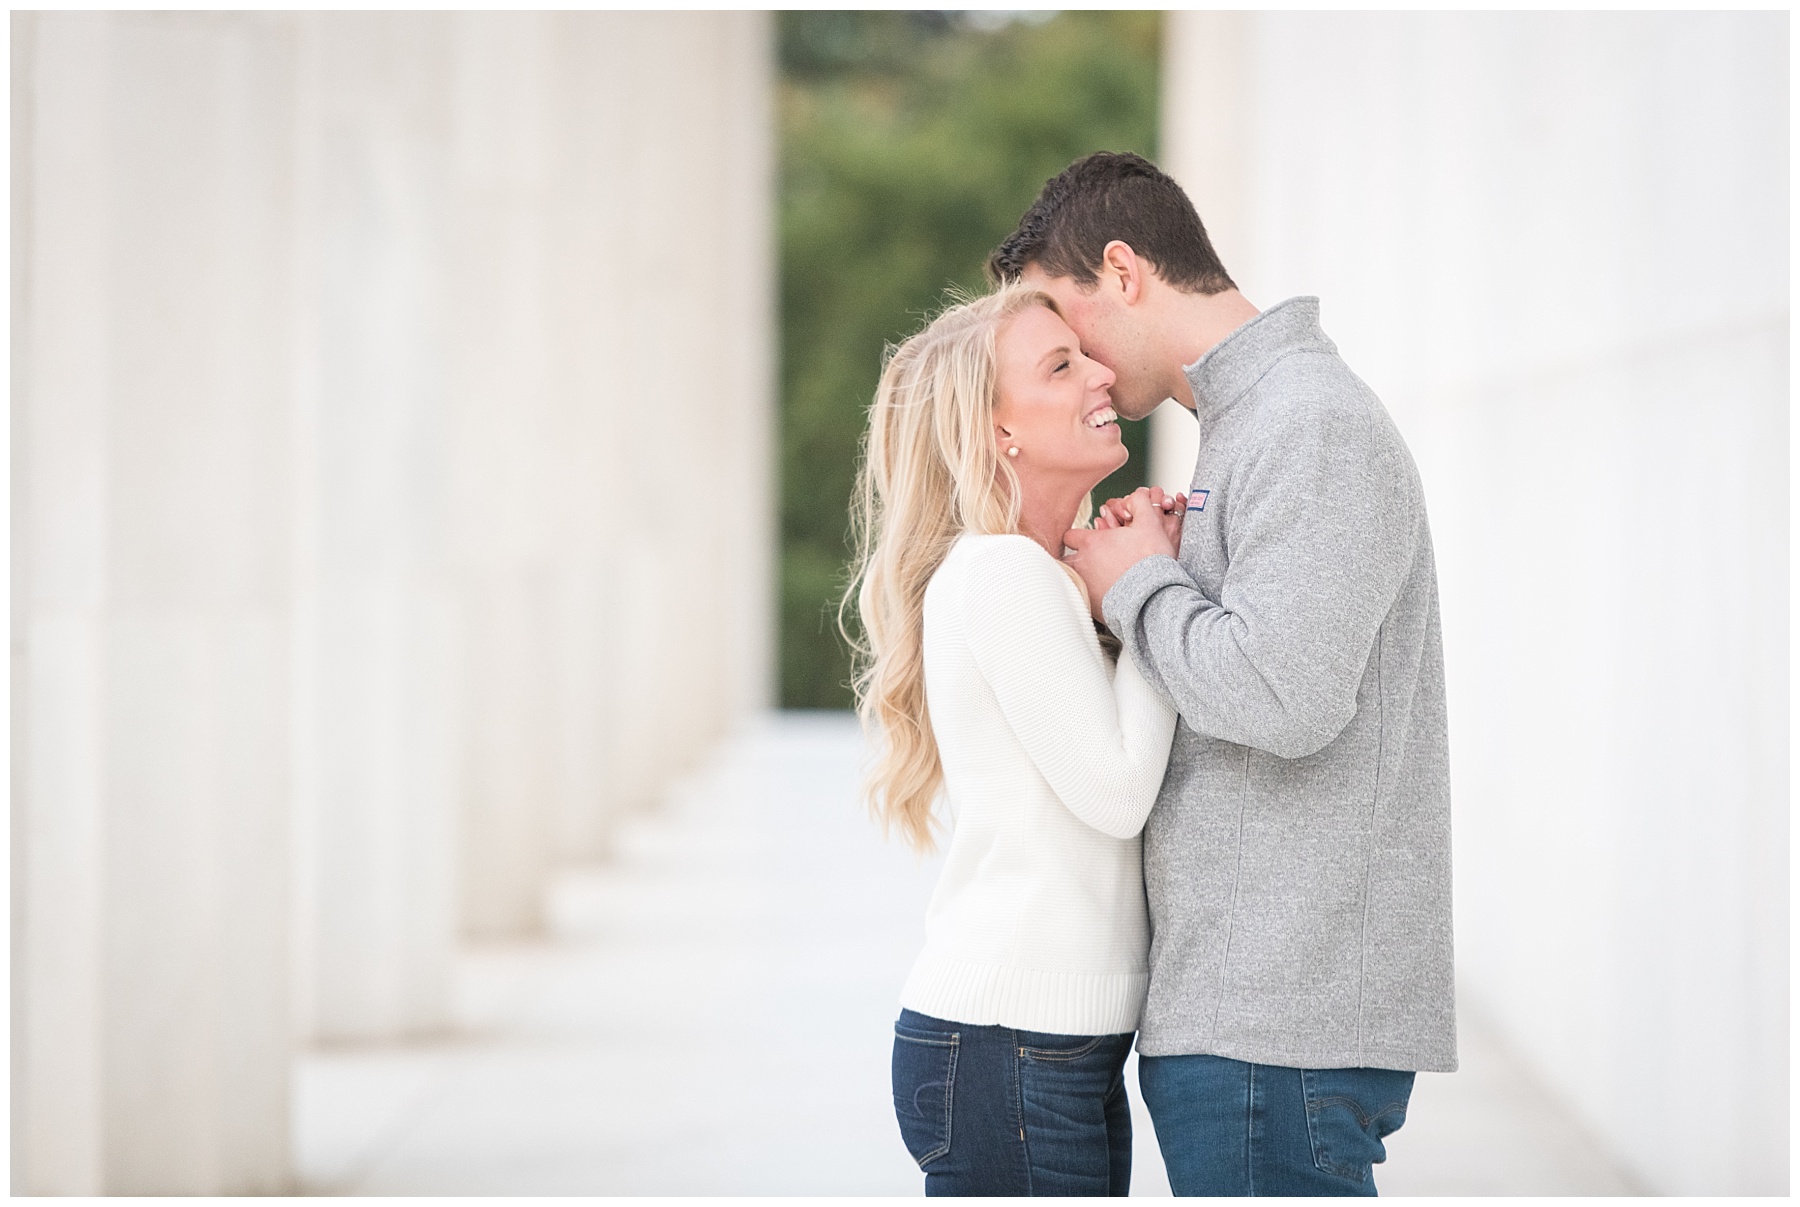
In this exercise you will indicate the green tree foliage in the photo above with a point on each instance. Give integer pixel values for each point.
(910, 144)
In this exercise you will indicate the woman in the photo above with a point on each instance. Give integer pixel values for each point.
(983, 677)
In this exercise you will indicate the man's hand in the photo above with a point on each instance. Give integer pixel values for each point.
(1125, 532)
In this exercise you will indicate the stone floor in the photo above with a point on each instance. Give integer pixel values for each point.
(711, 1016)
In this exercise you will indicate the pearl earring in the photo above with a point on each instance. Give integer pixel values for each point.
(1013, 451)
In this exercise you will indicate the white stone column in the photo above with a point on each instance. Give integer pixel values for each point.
(377, 720)
(1206, 122)
(694, 577)
(597, 239)
(746, 275)
(633, 152)
(502, 457)
(153, 416)
(365, 539)
(59, 380)
(602, 408)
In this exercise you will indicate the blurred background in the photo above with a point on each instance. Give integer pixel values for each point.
(431, 438)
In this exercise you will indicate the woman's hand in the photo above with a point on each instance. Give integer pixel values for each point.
(1147, 523)
(1147, 501)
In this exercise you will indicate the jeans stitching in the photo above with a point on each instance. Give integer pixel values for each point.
(1018, 1087)
(1362, 1120)
(936, 1043)
(1322, 1150)
(1117, 1088)
(1063, 1053)
(953, 1043)
(1320, 1104)
(949, 1098)
(1250, 1131)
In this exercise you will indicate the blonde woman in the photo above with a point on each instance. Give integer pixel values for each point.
(988, 690)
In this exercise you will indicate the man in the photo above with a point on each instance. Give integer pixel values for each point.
(1297, 862)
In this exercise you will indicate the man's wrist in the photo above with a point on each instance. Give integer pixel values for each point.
(1125, 596)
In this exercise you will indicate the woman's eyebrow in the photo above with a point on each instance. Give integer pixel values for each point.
(1060, 351)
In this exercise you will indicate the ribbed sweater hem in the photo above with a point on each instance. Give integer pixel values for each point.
(1031, 999)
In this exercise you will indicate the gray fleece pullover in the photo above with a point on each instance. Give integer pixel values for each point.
(1297, 861)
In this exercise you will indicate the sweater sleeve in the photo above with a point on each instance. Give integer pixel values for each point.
(1322, 534)
(1100, 737)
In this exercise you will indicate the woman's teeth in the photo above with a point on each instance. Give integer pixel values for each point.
(1102, 417)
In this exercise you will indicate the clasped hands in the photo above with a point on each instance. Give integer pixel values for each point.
(1145, 523)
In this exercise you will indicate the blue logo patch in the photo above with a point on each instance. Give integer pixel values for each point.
(1197, 500)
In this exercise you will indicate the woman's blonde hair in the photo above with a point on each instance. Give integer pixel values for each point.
(931, 471)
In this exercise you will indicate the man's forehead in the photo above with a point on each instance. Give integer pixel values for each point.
(1035, 276)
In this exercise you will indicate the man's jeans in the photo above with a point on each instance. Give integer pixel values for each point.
(1230, 1128)
(998, 1111)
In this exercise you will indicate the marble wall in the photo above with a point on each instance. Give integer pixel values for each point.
(392, 413)
(1557, 246)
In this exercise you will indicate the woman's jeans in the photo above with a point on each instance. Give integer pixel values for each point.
(1230, 1128)
(998, 1111)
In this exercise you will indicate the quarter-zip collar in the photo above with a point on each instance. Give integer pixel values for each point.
(1230, 367)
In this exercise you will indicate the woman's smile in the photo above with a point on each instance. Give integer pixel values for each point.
(1054, 406)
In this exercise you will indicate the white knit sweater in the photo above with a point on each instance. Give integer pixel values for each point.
(1051, 760)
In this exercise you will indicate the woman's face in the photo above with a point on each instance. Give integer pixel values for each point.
(1054, 404)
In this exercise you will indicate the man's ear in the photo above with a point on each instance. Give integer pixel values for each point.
(1122, 270)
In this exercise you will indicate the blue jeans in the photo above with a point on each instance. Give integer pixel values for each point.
(998, 1111)
(1230, 1128)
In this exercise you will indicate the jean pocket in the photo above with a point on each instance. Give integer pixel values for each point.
(1039, 1046)
(1348, 1114)
(924, 1081)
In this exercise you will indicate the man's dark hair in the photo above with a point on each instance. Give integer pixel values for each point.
(1111, 195)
